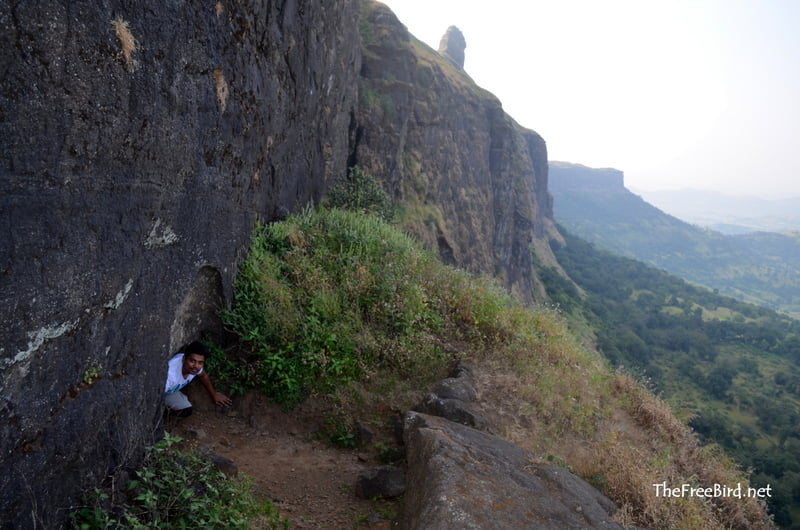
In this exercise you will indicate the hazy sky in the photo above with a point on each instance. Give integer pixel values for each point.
(675, 93)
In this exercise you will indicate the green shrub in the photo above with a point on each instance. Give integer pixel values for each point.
(328, 295)
(360, 192)
(340, 432)
(176, 489)
(333, 298)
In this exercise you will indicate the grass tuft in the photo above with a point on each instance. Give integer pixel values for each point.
(221, 88)
(127, 43)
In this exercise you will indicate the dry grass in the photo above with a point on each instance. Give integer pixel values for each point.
(622, 439)
(550, 395)
(561, 402)
(663, 449)
(127, 43)
(221, 88)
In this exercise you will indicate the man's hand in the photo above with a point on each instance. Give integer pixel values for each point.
(221, 400)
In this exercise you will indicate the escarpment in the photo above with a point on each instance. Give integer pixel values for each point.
(138, 146)
(472, 182)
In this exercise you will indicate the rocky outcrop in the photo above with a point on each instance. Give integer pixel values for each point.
(455, 399)
(452, 47)
(138, 146)
(459, 477)
(381, 482)
(567, 176)
(472, 182)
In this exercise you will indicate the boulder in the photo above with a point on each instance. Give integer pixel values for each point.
(381, 482)
(225, 465)
(454, 410)
(453, 398)
(462, 478)
(455, 388)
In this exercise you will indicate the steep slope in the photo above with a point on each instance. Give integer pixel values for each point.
(378, 321)
(137, 148)
(762, 268)
(471, 181)
(729, 367)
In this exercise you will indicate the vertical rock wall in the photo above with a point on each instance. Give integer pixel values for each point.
(472, 182)
(139, 143)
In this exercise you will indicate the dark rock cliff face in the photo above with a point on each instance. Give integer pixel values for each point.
(139, 143)
(138, 146)
(472, 182)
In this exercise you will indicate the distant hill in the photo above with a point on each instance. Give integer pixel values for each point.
(727, 214)
(758, 267)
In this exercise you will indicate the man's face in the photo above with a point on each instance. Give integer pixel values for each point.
(192, 363)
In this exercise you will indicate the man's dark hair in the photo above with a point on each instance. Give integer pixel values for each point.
(196, 347)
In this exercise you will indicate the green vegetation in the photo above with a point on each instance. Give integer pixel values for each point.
(728, 366)
(340, 432)
(360, 192)
(179, 489)
(340, 304)
(329, 296)
(92, 373)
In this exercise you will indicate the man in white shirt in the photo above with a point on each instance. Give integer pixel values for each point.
(181, 369)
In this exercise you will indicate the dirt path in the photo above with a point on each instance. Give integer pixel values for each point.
(307, 479)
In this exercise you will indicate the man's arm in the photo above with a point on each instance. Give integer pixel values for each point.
(218, 398)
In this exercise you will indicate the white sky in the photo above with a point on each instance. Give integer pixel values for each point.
(701, 94)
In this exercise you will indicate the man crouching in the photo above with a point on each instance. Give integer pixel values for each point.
(182, 368)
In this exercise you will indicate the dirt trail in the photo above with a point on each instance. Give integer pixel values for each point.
(308, 480)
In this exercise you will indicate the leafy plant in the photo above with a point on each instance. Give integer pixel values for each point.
(92, 373)
(340, 433)
(388, 454)
(176, 489)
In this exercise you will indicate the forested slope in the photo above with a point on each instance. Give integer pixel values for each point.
(729, 367)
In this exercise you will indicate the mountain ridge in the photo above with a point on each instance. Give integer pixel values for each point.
(759, 267)
(726, 213)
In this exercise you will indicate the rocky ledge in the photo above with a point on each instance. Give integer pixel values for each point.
(461, 477)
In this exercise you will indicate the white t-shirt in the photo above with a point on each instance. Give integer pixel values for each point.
(175, 379)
